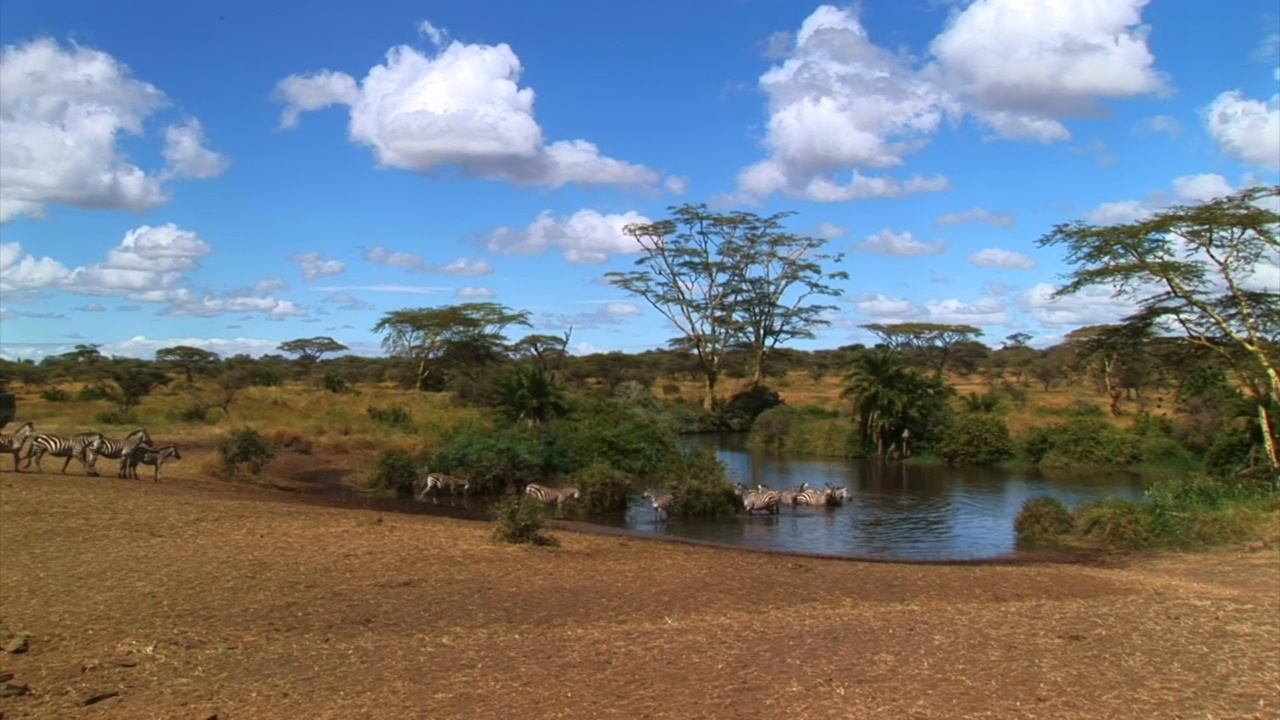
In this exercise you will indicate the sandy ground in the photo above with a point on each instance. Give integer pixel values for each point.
(200, 600)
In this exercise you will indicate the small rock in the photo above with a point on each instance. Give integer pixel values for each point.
(6, 676)
(15, 645)
(11, 690)
(94, 699)
(125, 662)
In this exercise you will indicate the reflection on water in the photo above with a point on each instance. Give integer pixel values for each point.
(897, 510)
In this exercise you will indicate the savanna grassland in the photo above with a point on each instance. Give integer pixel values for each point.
(200, 597)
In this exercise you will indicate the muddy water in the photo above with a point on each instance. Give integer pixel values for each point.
(898, 511)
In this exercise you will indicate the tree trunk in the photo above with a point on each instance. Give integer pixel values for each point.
(1268, 437)
(757, 374)
(709, 390)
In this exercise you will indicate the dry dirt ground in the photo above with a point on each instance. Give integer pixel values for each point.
(194, 599)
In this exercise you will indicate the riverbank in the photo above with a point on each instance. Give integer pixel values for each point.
(189, 599)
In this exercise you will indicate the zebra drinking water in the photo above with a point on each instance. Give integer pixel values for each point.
(661, 502)
(149, 456)
(64, 447)
(552, 496)
(12, 444)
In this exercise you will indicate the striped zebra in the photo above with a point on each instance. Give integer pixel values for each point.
(661, 502)
(762, 498)
(434, 483)
(118, 449)
(64, 447)
(824, 497)
(144, 455)
(788, 497)
(12, 444)
(552, 496)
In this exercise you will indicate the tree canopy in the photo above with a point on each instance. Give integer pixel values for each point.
(467, 332)
(311, 349)
(933, 343)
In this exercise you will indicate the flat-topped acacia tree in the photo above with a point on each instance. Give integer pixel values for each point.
(933, 343)
(425, 336)
(310, 349)
(1207, 272)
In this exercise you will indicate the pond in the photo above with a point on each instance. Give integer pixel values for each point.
(898, 511)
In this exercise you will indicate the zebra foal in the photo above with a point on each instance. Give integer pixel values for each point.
(11, 444)
(155, 457)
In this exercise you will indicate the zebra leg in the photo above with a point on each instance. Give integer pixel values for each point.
(68, 462)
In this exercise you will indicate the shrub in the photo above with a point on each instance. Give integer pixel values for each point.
(670, 389)
(1112, 522)
(245, 449)
(744, 407)
(395, 417)
(334, 383)
(55, 394)
(394, 471)
(603, 486)
(975, 439)
(1081, 441)
(519, 519)
(116, 417)
(1042, 520)
(498, 461)
(805, 431)
(1228, 454)
(696, 480)
(92, 393)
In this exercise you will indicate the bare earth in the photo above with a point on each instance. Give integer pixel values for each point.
(201, 599)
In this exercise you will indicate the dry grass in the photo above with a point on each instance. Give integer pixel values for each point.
(192, 598)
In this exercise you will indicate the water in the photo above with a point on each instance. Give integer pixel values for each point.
(898, 511)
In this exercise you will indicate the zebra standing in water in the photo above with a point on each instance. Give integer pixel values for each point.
(662, 503)
(73, 447)
(118, 450)
(824, 497)
(12, 444)
(432, 483)
(762, 498)
(552, 496)
(149, 456)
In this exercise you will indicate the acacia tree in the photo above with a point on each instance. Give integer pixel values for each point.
(1110, 353)
(934, 343)
(727, 281)
(424, 336)
(310, 349)
(191, 359)
(1200, 271)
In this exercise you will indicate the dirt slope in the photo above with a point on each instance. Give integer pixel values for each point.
(199, 599)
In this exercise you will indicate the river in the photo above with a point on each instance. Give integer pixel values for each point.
(898, 511)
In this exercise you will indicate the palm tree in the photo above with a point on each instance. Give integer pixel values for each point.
(531, 395)
(889, 397)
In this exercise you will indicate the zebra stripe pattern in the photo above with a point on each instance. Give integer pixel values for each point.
(661, 502)
(434, 483)
(119, 449)
(64, 447)
(550, 496)
(825, 496)
(143, 455)
(762, 498)
(12, 444)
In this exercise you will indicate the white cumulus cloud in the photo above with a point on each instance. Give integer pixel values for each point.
(1001, 258)
(1247, 129)
(63, 112)
(461, 107)
(977, 215)
(586, 237)
(465, 266)
(314, 264)
(888, 242)
(393, 258)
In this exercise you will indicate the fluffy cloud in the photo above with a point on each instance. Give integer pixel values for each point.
(837, 102)
(977, 215)
(831, 231)
(882, 307)
(391, 258)
(1160, 124)
(1001, 258)
(1247, 129)
(1020, 65)
(1185, 189)
(1090, 306)
(465, 267)
(676, 184)
(209, 305)
(314, 264)
(885, 309)
(609, 313)
(472, 292)
(584, 237)
(888, 242)
(62, 112)
(462, 107)
(345, 301)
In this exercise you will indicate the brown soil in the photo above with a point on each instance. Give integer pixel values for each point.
(190, 599)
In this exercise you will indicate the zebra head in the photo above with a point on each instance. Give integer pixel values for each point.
(24, 432)
(139, 437)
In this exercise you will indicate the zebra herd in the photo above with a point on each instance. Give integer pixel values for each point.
(764, 499)
(134, 450)
(432, 485)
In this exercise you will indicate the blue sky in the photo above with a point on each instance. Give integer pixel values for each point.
(233, 175)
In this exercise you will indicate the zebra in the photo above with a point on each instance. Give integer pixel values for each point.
(64, 447)
(788, 497)
(823, 497)
(118, 450)
(761, 498)
(662, 502)
(145, 455)
(12, 444)
(556, 496)
(426, 483)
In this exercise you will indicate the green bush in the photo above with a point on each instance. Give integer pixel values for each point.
(1087, 441)
(1042, 520)
(92, 393)
(1113, 522)
(744, 407)
(394, 471)
(604, 487)
(696, 480)
(498, 461)
(975, 439)
(245, 449)
(395, 417)
(116, 417)
(1228, 454)
(519, 519)
(55, 394)
(334, 383)
(794, 431)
